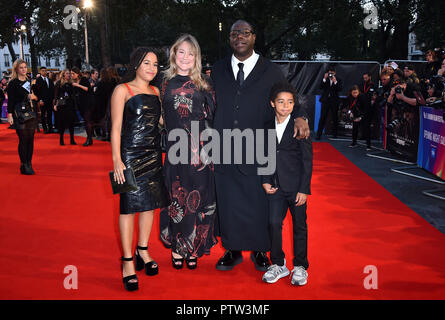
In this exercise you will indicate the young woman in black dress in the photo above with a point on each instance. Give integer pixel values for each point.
(135, 143)
(187, 98)
(64, 106)
(83, 100)
(19, 91)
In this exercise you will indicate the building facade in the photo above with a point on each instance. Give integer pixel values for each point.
(414, 52)
(57, 63)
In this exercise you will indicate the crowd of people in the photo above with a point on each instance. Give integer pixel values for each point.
(63, 100)
(400, 85)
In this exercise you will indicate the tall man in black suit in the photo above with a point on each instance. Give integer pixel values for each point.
(330, 100)
(45, 94)
(242, 83)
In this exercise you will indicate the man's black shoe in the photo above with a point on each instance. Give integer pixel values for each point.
(229, 260)
(260, 260)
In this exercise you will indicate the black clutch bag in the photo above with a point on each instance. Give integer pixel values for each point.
(24, 112)
(127, 186)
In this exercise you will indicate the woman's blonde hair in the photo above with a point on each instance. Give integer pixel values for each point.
(15, 67)
(195, 73)
(62, 77)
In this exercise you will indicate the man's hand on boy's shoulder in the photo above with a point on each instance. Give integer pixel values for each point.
(269, 189)
(300, 199)
(301, 128)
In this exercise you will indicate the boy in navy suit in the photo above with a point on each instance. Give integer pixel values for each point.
(288, 188)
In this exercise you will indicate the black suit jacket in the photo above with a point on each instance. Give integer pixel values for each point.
(330, 93)
(294, 162)
(43, 91)
(247, 106)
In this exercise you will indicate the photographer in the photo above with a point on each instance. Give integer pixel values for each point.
(359, 114)
(368, 85)
(431, 67)
(435, 92)
(401, 93)
(330, 100)
(402, 103)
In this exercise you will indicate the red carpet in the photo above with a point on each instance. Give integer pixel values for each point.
(66, 215)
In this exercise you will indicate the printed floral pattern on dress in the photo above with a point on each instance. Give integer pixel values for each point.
(183, 99)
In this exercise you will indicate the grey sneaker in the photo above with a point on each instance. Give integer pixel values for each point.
(275, 273)
(299, 276)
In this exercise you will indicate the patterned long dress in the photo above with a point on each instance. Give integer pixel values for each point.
(187, 224)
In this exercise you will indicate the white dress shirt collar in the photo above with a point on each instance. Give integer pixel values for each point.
(281, 127)
(249, 64)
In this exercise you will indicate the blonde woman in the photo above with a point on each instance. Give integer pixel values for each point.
(19, 93)
(187, 224)
(64, 106)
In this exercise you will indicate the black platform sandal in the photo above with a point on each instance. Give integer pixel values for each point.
(151, 268)
(177, 263)
(130, 286)
(191, 263)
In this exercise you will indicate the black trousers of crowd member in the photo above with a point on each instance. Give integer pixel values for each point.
(326, 108)
(25, 132)
(47, 117)
(365, 125)
(279, 203)
(66, 120)
(87, 115)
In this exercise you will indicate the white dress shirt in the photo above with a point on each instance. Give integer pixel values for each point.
(249, 64)
(280, 127)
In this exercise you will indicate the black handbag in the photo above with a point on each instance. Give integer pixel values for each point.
(129, 184)
(24, 111)
(61, 102)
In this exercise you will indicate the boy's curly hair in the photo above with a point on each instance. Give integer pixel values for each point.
(282, 87)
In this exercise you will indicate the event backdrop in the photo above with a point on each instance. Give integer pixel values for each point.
(432, 141)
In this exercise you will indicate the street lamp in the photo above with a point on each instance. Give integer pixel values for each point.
(21, 30)
(219, 39)
(87, 4)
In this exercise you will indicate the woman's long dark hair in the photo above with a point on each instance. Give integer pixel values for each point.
(136, 58)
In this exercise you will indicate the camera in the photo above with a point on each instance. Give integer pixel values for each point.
(398, 89)
(330, 75)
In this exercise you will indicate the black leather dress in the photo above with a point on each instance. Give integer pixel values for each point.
(140, 150)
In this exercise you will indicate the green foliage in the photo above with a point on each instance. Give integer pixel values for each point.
(284, 28)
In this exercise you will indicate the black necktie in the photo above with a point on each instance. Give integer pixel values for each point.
(240, 75)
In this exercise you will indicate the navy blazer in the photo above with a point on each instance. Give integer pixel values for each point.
(294, 162)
